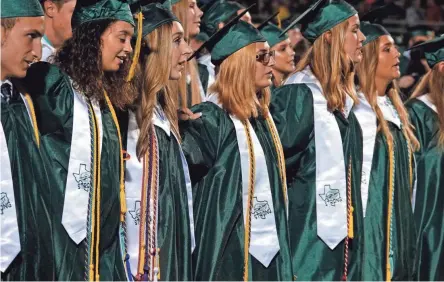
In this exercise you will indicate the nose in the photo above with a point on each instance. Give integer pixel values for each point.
(361, 36)
(37, 50)
(199, 12)
(127, 47)
(187, 50)
(272, 61)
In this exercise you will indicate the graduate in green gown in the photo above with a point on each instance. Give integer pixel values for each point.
(426, 109)
(74, 103)
(322, 144)
(26, 250)
(216, 14)
(388, 164)
(236, 166)
(283, 53)
(159, 222)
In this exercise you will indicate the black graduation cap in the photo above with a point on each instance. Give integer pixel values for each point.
(378, 14)
(433, 50)
(269, 19)
(370, 23)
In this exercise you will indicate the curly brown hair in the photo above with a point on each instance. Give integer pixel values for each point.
(81, 58)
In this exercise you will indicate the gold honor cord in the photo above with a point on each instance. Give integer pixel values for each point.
(33, 118)
(350, 226)
(390, 204)
(410, 152)
(250, 198)
(280, 155)
(95, 223)
(143, 219)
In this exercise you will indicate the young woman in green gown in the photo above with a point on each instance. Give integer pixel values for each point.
(426, 110)
(388, 164)
(236, 166)
(75, 102)
(322, 144)
(159, 222)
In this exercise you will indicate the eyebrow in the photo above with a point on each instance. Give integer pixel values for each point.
(357, 25)
(126, 32)
(262, 50)
(178, 33)
(35, 31)
(388, 44)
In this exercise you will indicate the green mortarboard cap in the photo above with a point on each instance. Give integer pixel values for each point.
(155, 15)
(217, 12)
(21, 8)
(420, 30)
(89, 10)
(322, 16)
(136, 5)
(433, 50)
(234, 36)
(174, 1)
(369, 26)
(272, 32)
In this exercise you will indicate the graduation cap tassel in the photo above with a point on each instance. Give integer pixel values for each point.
(138, 46)
(279, 21)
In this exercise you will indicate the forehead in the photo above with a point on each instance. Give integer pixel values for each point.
(260, 46)
(353, 20)
(386, 39)
(177, 27)
(122, 26)
(30, 23)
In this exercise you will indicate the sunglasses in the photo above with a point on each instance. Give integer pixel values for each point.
(265, 58)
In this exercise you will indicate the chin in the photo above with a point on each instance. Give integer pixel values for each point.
(175, 76)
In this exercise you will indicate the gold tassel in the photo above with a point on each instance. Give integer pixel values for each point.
(279, 21)
(137, 48)
(351, 233)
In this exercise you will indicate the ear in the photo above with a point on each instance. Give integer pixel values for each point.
(220, 25)
(441, 67)
(327, 36)
(50, 8)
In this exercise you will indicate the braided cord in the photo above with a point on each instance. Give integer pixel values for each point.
(389, 250)
(250, 198)
(280, 155)
(350, 226)
(33, 118)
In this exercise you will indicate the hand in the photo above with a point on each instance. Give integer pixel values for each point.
(406, 81)
(187, 114)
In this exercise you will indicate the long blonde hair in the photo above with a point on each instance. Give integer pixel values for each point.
(152, 76)
(332, 67)
(433, 84)
(366, 72)
(235, 85)
(180, 10)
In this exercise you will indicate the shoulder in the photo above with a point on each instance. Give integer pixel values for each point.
(46, 79)
(210, 111)
(293, 99)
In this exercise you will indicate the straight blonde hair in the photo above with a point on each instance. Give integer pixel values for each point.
(180, 10)
(152, 76)
(433, 84)
(235, 85)
(332, 67)
(366, 72)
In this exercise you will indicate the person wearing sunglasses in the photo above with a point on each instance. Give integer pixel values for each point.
(283, 52)
(322, 144)
(236, 165)
(388, 166)
(426, 111)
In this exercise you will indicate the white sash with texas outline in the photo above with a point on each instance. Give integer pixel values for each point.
(9, 232)
(331, 182)
(133, 184)
(264, 241)
(78, 182)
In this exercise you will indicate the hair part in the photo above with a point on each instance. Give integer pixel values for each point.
(366, 73)
(81, 58)
(152, 76)
(332, 67)
(433, 84)
(235, 85)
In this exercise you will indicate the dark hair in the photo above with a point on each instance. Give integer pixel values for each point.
(8, 23)
(81, 58)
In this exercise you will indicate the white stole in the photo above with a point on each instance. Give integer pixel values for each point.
(264, 241)
(133, 184)
(9, 231)
(79, 179)
(331, 182)
(428, 101)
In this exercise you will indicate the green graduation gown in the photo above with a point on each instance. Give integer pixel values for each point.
(429, 194)
(211, 148)
(174, 237)
(403, 238)
(53, 100)
(32, 195)
(292, 110)
(203, 76)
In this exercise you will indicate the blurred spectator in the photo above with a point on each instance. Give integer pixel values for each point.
(414, 12)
